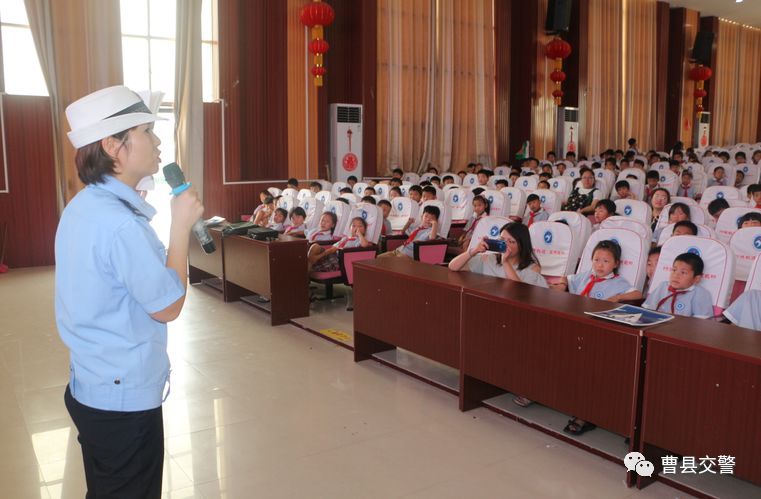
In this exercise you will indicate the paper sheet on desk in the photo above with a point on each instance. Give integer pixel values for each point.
(633, 316)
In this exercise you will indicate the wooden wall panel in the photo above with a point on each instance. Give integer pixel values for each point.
(662, 67)
(676, 82)
(302, 99)
(29, 207)
(523, 58)
(687, 113)
(232, 199)
(253, 74)
(709, 24)
(502, 30)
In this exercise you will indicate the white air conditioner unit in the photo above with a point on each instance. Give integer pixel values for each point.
(567, 131)
(702, 131)
(345, 141)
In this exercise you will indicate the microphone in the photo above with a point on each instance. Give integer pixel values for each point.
(176, 180)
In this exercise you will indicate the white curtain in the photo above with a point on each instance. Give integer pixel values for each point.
(188, 91)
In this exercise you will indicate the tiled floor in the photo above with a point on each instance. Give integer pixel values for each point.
(257, 411)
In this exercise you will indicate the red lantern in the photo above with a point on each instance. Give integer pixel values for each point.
(701, 73)
(317, 15)
(700, 93)
(318, 46)
(557, 49)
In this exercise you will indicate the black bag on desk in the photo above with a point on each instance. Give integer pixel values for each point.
(262, 233)
(238, 229)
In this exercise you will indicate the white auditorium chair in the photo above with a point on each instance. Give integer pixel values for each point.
(555, 248)
(639, 210)
(634, 252)
(726, 226)
(642, 229)
(719, 192)
(499, 206)
(516, 199)
(460, 203)
(668, 231)
(580, 225)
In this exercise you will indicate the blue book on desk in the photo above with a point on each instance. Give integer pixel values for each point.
(633, 316)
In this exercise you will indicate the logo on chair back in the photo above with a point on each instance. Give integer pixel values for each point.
(471, 181)
(400, 206)
(679, 306)
(543, 199)
(628, 210)
(510, 195)
(548, 237)
(332, 209)
(456, 198)
(693, 250)
(363, 214)
(495, 230)
(306, 205)
(572, 174)
(663, 178)
(719, 195)
(757, 243)
(491, 199)
(555, 184)
(745, 169)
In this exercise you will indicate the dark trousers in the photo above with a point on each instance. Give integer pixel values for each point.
(123, 452)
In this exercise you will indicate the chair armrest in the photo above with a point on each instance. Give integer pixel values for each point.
(348, 256)
(390, 242)
(431, 251)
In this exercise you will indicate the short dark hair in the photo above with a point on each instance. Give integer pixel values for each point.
(532, 197)
(609, 205)
(477, 191)
(94, 163)
(333, 217)
(688, 173)
(740, 154)
(686, 223)
(754, 188)
(346, 190)
(343, 200)
(717, 205)
(395, 180)
(488, 173)
(370, 188)
(483, 200)
(718, 167)
(751, 215)
(368, 199)
(622, 183)
(653, 174)
(680, 206)
(384, 202)
(430, 190)
(397, 170)
(298, 211)
(282, 211)
(396, 190)
(434, 179)
(416, 188)
(654, 251)
(293, 181)
(693, 260)
(350, 178)
(501, 181)
(315, 184)
(432, 210)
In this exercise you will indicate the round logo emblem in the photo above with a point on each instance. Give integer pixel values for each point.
(757, 243)
(679, 306)
(399, 206)
(572, 174)
(332, 209)
(494, 230)
(598, 295)
(455, 198)
(693, 250)
(627, 210)
(364, 215)
(509, 195)
(543, 199)
(471, 181)
(745, 169)
(548, 237)
(555, 184)
(719, 195)
(306, 206)
(350, 162)
(599, 174)
(663, 179)
(491, 199)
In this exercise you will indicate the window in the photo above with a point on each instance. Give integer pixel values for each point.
(21, 66)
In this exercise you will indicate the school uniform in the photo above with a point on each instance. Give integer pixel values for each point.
(686, 192)
(694, 301)
(316, 234)
(601, 288)
(276, 226)
(386, 229)
(536, 216)
(330, 263)
(713, 182)
(745, 311)
(295, 228)
(416, 234)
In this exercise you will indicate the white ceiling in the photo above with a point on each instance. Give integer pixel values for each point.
(747, 12)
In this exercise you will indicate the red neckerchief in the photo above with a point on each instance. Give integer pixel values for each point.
(591, 283)
(674, 293)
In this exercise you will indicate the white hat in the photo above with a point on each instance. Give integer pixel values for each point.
(105, 113)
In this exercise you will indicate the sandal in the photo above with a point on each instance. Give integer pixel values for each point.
(522, 401)
(574, 428)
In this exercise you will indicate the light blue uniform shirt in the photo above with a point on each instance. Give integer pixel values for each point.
(111, 275)
(612, 286)
(422, 235)
(696, 302)
(745, 311)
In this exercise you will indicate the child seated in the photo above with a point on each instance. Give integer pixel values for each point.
(536, 212)
(429, 193)
(499, 184)
(394, 192)
(324, 230)
(415, 193)
(483, 177)
(716, 207)
(623, 189)
(718, 177)
(681, 294)
(652, 264)
(686, 189)
(685, 228)
(315, 187)
(543, 184)
(739, 177)
(296, 227)
(368, 199)
(263, 212)
(605, 209)
(448, 179)
(652, 177)
(750, 219)
(322, 259)
(603, 283)
(369, 191)
(426, 230)
(745, 311)
(436, 181)
(481, 209)
(754, 193)
(278, 220)
(293, 183)
(677, 213)
(351, 180)
(385, 207)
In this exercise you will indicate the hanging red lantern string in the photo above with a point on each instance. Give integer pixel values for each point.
(699, 74)
(558, 49)
(316, 15)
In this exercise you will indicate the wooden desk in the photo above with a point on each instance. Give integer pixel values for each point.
(538, 343)
(202, 266)
(276, 270)
(399, 302)
(703, 394)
